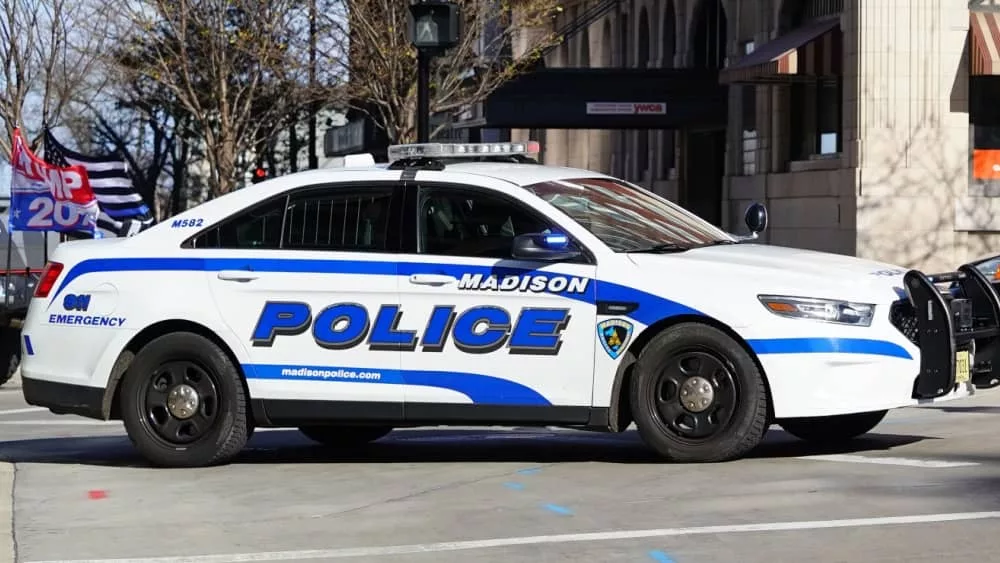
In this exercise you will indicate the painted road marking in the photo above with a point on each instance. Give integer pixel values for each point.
(374, 551)
(59, 422)
(660, 557)
(908, 462)
(24, 410)
(558, 509)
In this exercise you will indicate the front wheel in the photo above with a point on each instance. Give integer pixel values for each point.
(698, 396)
(183, 403)
(832, 429)
(344, 436)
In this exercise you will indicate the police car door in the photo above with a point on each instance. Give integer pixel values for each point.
(494, 335)
(309, 310)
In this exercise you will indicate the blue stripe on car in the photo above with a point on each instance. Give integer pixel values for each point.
(651, 308)
(828, 346)
(481, 389)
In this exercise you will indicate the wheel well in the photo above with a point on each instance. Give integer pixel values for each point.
(110, 407)
(620, 415)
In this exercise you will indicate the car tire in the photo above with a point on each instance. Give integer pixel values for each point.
(338, 436)
(832, 429)
(10, 355)
(183, 403)
(724, 412)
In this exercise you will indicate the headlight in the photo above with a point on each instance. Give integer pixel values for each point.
(828, 310)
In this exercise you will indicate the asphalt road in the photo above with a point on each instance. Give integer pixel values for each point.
(924, 486)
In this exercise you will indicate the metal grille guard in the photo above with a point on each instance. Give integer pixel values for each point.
(965, 316)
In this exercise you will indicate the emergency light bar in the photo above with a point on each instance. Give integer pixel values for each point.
(459, 150)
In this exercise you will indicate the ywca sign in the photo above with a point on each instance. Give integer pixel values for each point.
(626, 108)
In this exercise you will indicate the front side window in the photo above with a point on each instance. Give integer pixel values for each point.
(356, 220)
(455, 222)
(628, 218)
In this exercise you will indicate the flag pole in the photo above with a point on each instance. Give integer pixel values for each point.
(6, 272)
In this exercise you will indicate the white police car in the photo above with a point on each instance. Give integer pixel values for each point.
(467, 284)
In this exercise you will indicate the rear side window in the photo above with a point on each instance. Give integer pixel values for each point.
(346, 220)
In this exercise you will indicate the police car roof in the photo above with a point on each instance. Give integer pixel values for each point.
(521, 174)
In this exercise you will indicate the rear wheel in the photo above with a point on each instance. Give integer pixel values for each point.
(832, 429)
(183, 402)
(10, 353)
(344, 436)
(698, 396)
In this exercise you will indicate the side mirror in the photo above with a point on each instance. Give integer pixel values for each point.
(553, 247)
(756, 218)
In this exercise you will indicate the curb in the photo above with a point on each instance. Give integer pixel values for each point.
(7, 512)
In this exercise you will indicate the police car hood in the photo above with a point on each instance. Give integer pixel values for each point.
(777, 269)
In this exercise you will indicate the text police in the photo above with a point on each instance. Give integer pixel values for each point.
(477, 330)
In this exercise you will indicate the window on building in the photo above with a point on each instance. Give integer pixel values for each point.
(829, 107)
(354, 220)
(748, 122)
(815, 101)
(256, 228)
(457, 222)
(816, 118)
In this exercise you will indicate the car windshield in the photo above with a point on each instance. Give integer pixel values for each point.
(628, 218)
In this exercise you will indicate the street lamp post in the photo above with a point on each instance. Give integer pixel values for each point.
(434, 28)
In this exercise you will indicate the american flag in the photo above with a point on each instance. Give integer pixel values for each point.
(122, 210)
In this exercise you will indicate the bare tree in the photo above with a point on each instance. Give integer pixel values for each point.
(47, 64)
(235, 67)
(370, 41)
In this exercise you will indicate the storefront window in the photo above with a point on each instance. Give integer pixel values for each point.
(984, 117)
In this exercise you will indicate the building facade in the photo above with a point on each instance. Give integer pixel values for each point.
(868, 127)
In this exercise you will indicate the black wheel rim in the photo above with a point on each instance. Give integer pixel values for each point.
(695, 395)
(181, 402)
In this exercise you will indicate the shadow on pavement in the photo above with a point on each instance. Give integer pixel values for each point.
(430, 446)
(970, 409)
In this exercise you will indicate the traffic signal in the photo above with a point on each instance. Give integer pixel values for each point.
(259, 175)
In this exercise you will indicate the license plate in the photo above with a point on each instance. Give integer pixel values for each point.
(962, 374)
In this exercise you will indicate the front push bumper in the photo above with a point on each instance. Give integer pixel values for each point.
(954, 318)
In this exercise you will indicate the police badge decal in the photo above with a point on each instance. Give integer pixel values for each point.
(614, 335)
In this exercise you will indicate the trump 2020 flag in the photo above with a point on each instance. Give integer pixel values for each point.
(44, 197)
(122, 211)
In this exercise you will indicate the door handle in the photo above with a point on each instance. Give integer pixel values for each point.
(432, 279)
(237, 275)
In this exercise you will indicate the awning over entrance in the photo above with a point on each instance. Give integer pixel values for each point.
(606, 98)
(984, 52)
(811, 50)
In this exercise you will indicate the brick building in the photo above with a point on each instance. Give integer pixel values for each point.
(865, 125)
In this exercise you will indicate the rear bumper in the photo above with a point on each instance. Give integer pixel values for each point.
(947, 315)
(63, 398)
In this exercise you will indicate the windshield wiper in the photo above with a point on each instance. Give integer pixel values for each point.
(662, 247)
